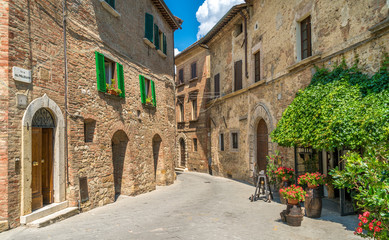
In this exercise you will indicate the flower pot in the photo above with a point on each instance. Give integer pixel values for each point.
(294, 216)
(293, 201)
(311, 186)
(313, 203)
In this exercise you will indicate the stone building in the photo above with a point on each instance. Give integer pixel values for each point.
(104, 127)
(192, 89)
(261, 53)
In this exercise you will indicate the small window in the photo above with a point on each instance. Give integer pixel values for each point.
(306, 45)
(181, 75)
(217, 85)
(221, 141)
(109, 71)
(89, 129)
(193, 70)
(148, 88)
(194, 109)
(238, 75)
(257, 58)
(195, 144)
(111, 3)
(181, 106)
(238, 29)
(147, 91)
(234, 140)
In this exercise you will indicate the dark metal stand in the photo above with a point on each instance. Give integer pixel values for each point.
(262, 189)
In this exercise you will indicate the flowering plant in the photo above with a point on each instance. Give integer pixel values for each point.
(273, 163)
(293, 192)
(312, 179)
(369, 226)
(284, 173)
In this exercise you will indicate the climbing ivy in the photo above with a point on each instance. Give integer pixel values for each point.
(341, 108)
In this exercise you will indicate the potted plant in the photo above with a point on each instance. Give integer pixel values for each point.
(284, 175)
(313, 201)
(293, 214)
(149, 100)
(111, 89)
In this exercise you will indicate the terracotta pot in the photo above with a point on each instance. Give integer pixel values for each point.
(293, 201)
(313, 203)
(311, 186)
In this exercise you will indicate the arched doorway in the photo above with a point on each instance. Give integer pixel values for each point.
(119, 148)
(42, 159)
(182, 153)
(262, 145)
(157, 154)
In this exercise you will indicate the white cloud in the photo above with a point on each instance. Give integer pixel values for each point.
(210, 12)
(176, 51)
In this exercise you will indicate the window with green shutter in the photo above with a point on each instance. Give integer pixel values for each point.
(149, 27)
(100, 72)
(109, 75)
(147, 91)
(156, 36)
(120, 75)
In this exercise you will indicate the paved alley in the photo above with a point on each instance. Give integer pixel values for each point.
(197, 206)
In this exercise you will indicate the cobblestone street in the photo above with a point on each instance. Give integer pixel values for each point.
(197, 206)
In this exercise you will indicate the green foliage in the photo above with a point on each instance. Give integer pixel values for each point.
(273, 163)
(368, 177)
(342, 108)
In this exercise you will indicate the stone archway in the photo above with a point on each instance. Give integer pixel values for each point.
(182, 153)
(158, 159)
(119, 148)
(260, 114)
(58, 152)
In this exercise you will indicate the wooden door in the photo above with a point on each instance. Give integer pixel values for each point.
(182, 149)
(262, 145)
(36, 178)
(47, 165)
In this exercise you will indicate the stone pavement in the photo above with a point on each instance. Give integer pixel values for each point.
(197, 206)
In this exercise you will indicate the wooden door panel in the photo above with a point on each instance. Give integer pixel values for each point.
(36, 179)
(262, 145)
(47, 165)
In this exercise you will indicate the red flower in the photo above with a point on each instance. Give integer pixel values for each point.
(366, 214)
(360, 224)
(359, 229)
(364, 220)
(378, 223)
(377, 229)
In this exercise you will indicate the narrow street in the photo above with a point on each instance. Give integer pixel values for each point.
(197, 206)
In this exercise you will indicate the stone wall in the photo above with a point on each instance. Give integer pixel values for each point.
(191, 128)
(36, 43)
(339, 30)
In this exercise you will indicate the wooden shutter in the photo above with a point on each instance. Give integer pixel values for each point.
(306, 48)
(238, 75)
(164, 44)
(100, 72)
(120, 75)
(149, 25)
(257, 67)
(153, 93)
(194, 70)
(156, 36)
(142, 89)
(217, 85)
(181, 75)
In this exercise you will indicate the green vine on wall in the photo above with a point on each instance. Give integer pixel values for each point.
(341, 108)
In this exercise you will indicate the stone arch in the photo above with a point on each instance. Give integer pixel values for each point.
(119, 148)
(58, 153)
(259, 112)
(158, 160)
(182, 137)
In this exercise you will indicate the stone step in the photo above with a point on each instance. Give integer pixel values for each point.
(178, 169)
(55, 217)
(43, 212)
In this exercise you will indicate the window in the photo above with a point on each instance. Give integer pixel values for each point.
(149, 25)
(234, 140)
(110, 76)
(147, 91)
(181, 75)
(193, 70)
(111, 3)
(217, 85)
(221, 141)
(156, 37)
(257, 59)
(195, 144)
(238, 29)
(181, 106)
(194, 109)
(89, 129)
(238, 75)
(305, 29)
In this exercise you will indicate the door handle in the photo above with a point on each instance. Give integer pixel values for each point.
(35, 163)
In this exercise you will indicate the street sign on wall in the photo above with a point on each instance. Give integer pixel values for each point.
(21, 74)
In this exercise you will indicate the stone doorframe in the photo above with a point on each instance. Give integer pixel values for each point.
(183, 136)
(58, 153)
(260, 111)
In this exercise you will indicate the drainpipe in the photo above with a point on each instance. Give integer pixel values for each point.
(245, 43)
(66, 91)
(174, 105)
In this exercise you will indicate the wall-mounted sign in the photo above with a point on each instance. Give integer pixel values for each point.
(21, 74)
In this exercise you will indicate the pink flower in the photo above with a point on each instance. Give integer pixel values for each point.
(359, 229)
(364, 220)
(377, 229)
(366, 214)
(360, 224)
(379, 223)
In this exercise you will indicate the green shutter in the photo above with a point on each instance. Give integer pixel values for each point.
(120, 73)
(164, 44)
(156, 36)
(149, 24)
(142, 89)
(100, 72)
(153, 93)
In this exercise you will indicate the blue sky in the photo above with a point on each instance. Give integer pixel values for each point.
(199, 17)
